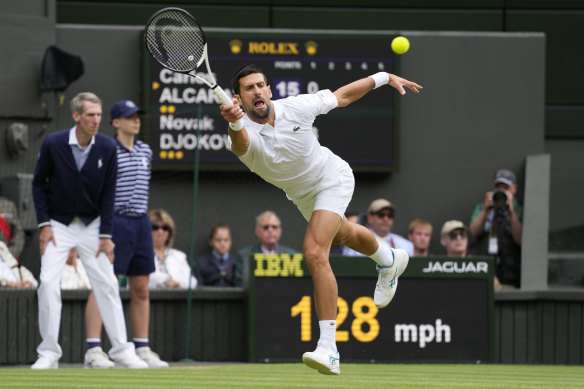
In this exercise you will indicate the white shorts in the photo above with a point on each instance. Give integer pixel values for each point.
(332, 194)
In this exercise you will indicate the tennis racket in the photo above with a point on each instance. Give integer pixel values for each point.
(176, 40)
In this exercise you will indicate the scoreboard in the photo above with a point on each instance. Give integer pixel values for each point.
(183, 114)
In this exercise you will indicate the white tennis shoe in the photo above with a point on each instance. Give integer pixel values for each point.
(150, 357)
(44, 363)
(95, 358)
(324, 359)
(131, 361)
(387, 279)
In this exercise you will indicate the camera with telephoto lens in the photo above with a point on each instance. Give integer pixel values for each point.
(500, 202)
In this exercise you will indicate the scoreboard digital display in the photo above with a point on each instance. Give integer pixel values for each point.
(442, 312)
(183, 113)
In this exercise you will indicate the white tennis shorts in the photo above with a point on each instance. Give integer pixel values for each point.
(334, 193)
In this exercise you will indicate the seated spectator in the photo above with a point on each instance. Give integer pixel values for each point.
(74, 275)
(217, 268)
(12, 275)
(172, 267)
(420, 234)
(268, 229)
(380, 217)
(11, 231)
(454, 238)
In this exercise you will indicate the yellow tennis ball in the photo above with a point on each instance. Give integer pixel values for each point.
(400, 45)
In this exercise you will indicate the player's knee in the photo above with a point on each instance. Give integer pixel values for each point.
(315, 258)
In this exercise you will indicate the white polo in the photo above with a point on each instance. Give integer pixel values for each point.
(288, 155)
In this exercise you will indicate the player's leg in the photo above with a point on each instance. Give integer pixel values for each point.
(49, 295)
(391, 263)
(319, 235)
(317, 243)
(357, 237)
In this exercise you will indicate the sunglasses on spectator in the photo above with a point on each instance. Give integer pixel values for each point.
(382, 215)
(164, 227)
(272, 226)
(457, 234)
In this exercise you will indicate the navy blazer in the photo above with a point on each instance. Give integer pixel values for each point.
(208, 273)
(61, 192)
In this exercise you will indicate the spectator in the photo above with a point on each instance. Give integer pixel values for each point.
(268, 229)
(420, 234)
(380, 217)
(12, 275)
(11, 231)
(74, 275)
(172, 267)
(74, 188)
(134, 256)
(217, 268)
(496, 226)
(454, 238)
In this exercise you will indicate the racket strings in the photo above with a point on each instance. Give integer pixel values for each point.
(176, 40)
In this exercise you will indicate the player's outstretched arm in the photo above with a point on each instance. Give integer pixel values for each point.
(240, 138)
(357, 89)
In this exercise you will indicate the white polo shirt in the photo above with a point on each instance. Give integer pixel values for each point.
(288, 155)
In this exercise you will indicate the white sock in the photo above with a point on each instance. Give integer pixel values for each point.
(383, 256)
(328, 330)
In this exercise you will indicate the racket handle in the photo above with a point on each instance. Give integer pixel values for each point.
(220, 93)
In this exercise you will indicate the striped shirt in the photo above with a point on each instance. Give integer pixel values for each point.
(133, 179)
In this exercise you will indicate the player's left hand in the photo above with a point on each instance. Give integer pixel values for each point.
(106, 246)
(399, 83)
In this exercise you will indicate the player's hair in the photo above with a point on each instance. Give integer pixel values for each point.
(243, 71)
(79, 99)
(419, 223)
(161, 216)
(217, 227)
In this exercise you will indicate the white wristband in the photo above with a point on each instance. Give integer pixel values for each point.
(236, 126)
(380, 79)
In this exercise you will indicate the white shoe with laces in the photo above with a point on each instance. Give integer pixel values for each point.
(44, 363)
(387, 279)
(95, 358)
(150, 357)
(131, 361)
(324, 359)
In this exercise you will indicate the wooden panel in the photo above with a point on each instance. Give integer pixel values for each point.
(520, 332)
(387, 19)
(533, 332)
(547, 333)
(506, 335)
(561, 334)
(575, 330)
(123, 14)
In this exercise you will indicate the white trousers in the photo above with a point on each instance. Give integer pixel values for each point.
(103, 282)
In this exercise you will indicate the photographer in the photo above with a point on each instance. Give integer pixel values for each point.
(496, 226)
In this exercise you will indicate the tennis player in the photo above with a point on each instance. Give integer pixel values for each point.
(275, 141)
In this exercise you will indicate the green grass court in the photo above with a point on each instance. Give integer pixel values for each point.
(296, 375)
